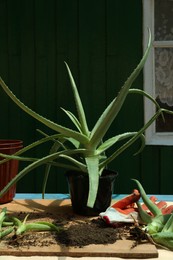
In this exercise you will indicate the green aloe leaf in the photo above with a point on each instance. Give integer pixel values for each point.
(113, 109)
(164, 238)
(29, 147)
(53, 149)
(151, 206)
(73, 119)
(74, 161)
(157, 224)
(58, 128)
(92, 163)
(146, 218)
(56, 139)
(19, 158)
(134, 138)
(79, 106)
(113, 140)
(143, 93)
(168, 227)
(61, 140)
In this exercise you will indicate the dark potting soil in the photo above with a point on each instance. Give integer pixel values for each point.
(89, 232)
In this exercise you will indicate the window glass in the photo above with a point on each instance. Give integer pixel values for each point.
(164, 75)
(163, 20)
(158, 70)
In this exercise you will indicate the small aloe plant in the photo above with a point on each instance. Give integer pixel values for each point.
(9, 224)
(83, 149)
(158, 226)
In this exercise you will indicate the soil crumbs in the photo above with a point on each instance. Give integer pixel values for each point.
(74, 232)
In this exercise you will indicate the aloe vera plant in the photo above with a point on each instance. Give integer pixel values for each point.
(83, 149)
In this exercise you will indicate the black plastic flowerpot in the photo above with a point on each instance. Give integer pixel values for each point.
(78, 183)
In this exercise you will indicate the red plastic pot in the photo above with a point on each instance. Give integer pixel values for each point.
(9, 169)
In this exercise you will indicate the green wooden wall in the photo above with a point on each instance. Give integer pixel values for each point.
(101, 41)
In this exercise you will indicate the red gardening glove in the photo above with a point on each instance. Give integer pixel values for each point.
(124, 210)
(167, 210)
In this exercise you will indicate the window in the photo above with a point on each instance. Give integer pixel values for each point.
(158, 70)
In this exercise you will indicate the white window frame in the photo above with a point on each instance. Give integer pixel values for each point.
(152, 137)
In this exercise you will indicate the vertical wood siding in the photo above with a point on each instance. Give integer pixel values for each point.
(101, 41)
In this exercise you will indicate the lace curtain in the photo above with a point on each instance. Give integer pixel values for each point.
(164, 56)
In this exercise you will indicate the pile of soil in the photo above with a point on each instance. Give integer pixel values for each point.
(88, 232)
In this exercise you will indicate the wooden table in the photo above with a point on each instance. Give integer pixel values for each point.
(63, 199)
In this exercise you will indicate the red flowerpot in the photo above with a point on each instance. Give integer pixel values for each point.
(9, 169)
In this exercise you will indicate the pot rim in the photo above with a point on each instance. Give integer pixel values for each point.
(10, 142)
(81, 174)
